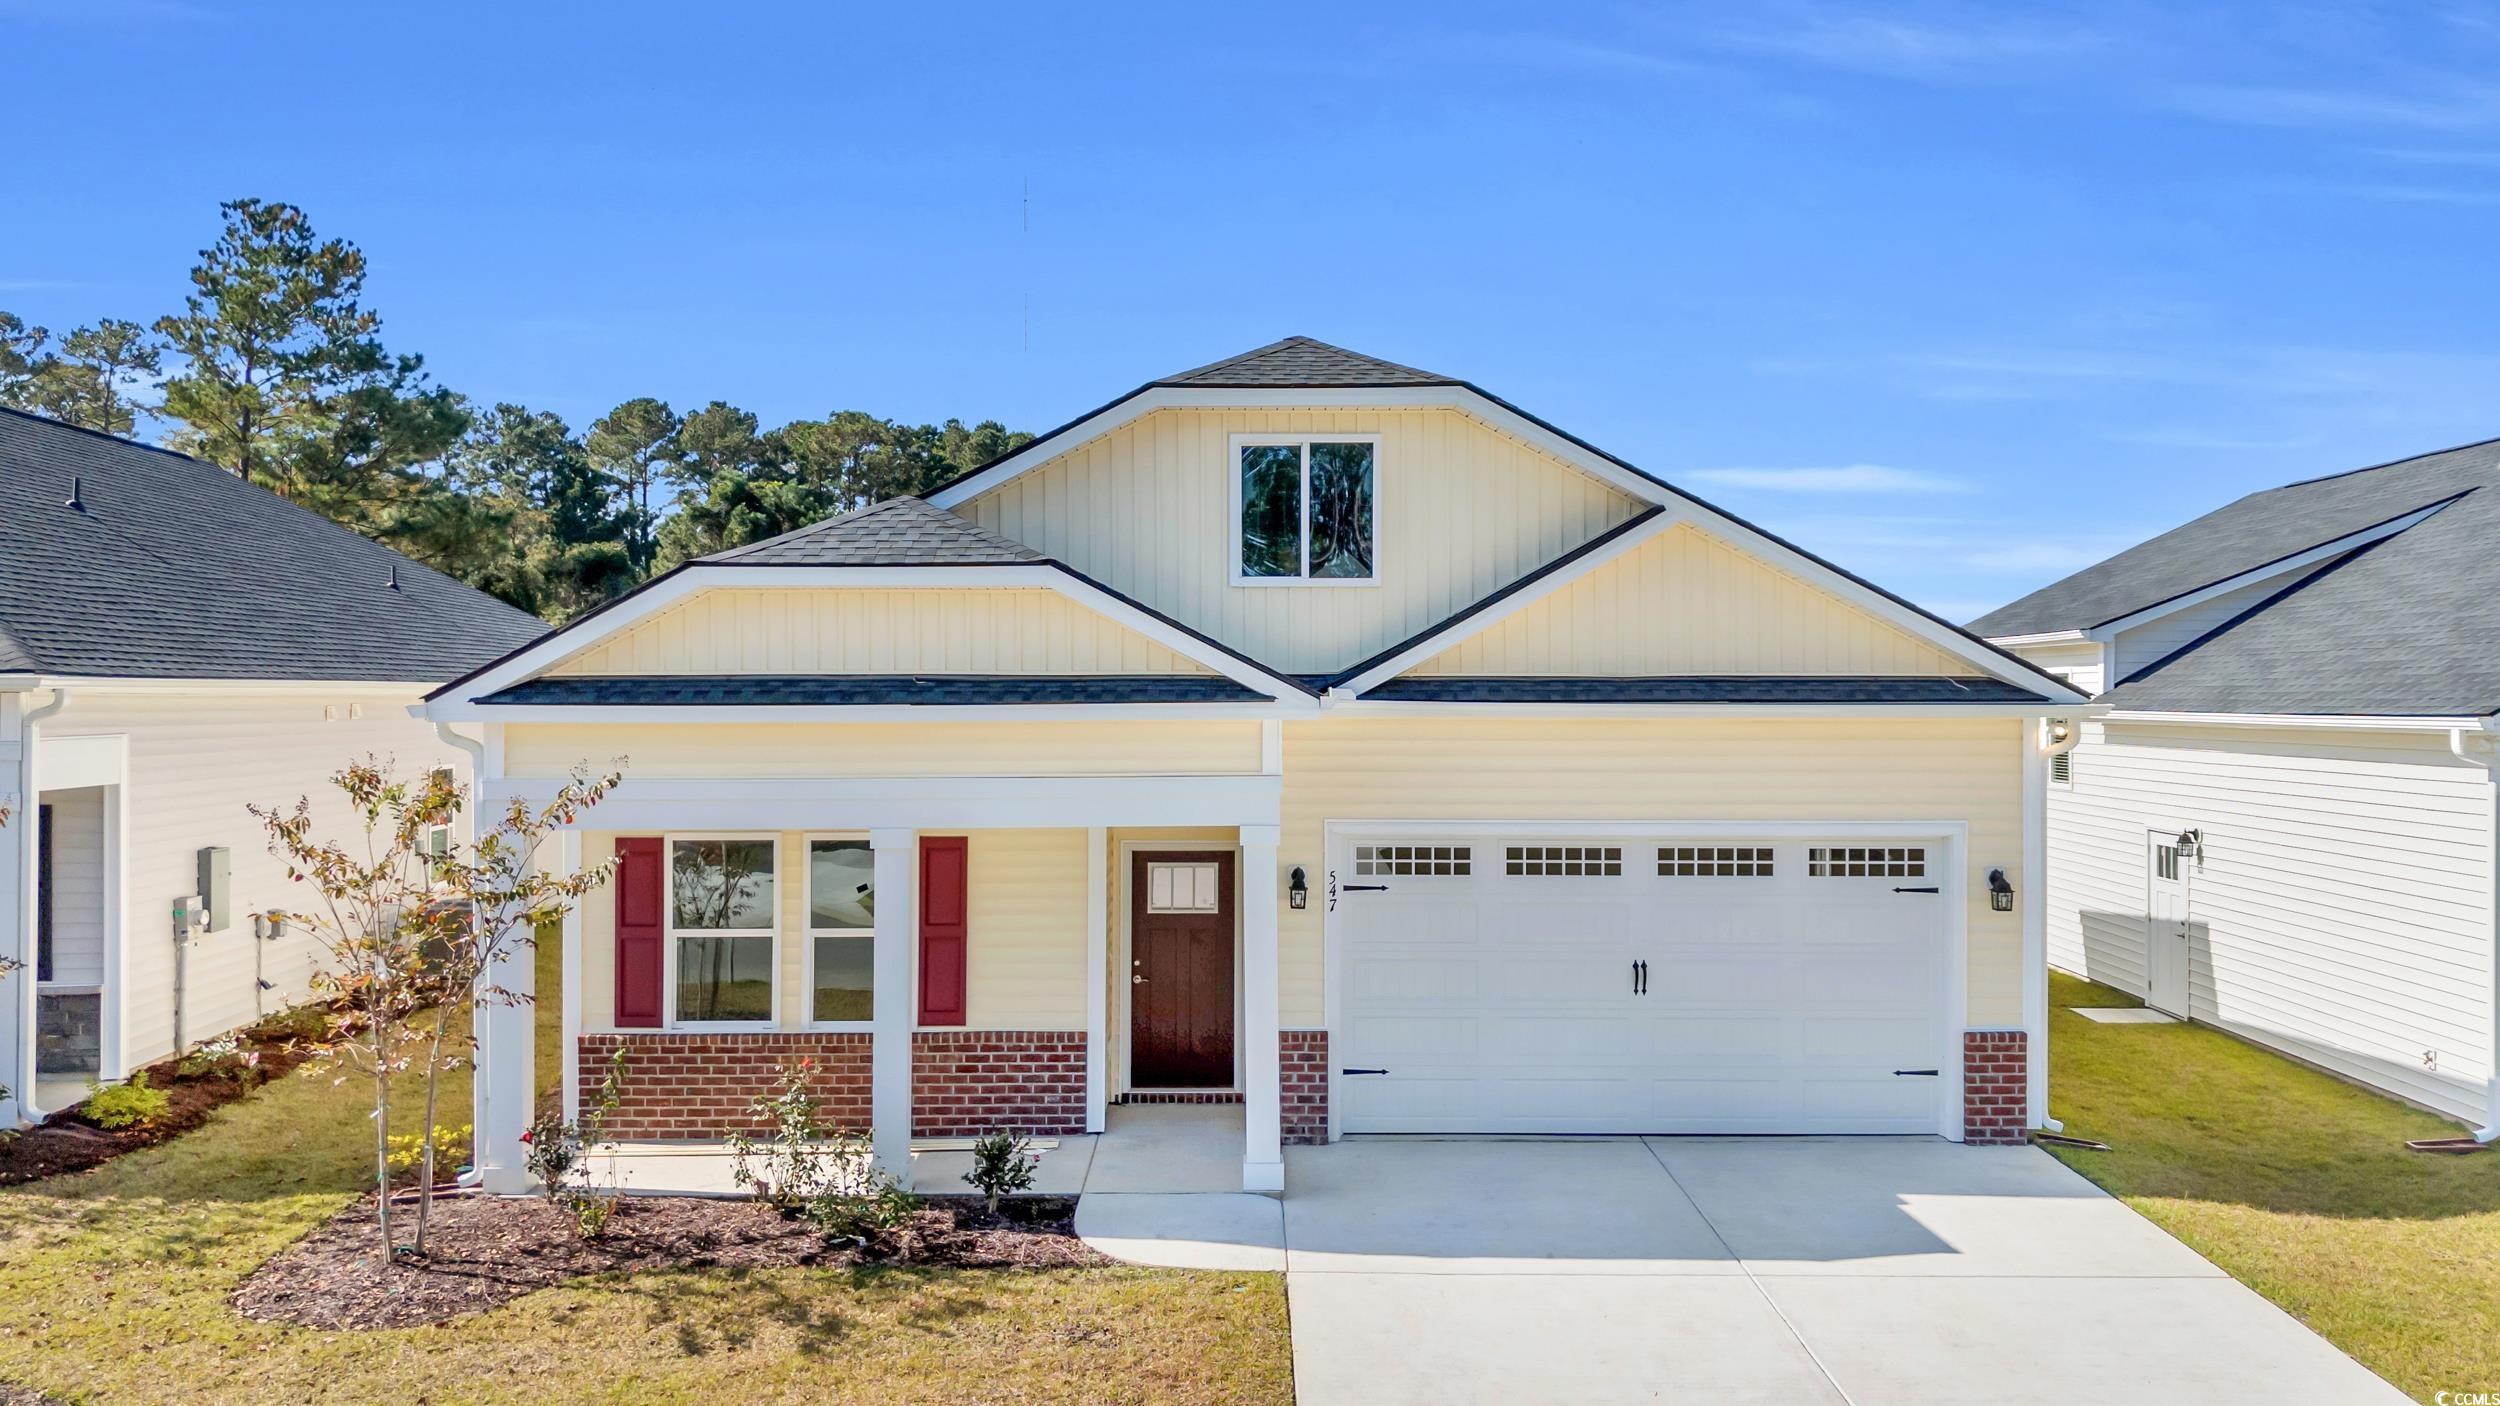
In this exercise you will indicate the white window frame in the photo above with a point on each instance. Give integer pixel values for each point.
(436, 841)
(669, 928)
(1305, 439)
(810, 932)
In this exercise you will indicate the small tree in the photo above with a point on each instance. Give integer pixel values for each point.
(1002, 1165)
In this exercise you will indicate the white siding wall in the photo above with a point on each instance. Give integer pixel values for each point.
(77, 817)
(195, 761)
(2342, 908)
(2080, 664)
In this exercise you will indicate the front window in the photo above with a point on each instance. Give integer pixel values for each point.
(1308, 508)
(841, 930)
(722, 915)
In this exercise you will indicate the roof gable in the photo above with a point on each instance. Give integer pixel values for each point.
(1303, 361)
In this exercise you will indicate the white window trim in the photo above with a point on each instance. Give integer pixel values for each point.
(1305, 439)
(809, 932)
(669, 928)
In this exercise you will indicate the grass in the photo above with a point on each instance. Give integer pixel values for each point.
(2296, 1183)
(113, 1287)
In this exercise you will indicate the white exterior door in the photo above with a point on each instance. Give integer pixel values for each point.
(2165, 924)
(1505, 984)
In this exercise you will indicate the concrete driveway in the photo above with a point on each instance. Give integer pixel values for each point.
(1864, 1271)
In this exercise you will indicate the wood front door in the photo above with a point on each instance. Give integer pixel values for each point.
(1181, 970)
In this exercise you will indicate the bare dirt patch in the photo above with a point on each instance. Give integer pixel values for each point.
(486, 1250)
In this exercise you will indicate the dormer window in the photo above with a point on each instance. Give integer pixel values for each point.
(1307, 508)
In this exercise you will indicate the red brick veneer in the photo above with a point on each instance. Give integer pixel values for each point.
(964, 1082)
(1303, 1055)
(1995, 1086)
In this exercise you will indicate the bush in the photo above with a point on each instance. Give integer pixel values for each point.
(798, 1158)
(559, 1155)
(860, 1200)
(1002, 1164)
(221, 1058)
(132, 1105)
(450, 1145)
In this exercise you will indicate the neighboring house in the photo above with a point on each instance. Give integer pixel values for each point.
(174, 644)
(1303, 731)
(2284, 823)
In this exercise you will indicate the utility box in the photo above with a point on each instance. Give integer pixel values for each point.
(216, 885)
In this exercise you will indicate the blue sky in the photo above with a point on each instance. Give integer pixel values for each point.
(1963, 297)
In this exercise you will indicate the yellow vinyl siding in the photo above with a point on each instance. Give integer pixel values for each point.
(649, 750)
(1148, 510)
(1638, 769)
(1689, 603)
(964, 630)
(1027, 932)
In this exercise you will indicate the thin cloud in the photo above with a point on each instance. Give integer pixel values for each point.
(1902, 49)
(2464, 110)
(1846, 478)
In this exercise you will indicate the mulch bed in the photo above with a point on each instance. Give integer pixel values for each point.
(486, 1250)
(66, 1142)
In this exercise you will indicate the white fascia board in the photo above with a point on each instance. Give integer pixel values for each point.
(2281, 566)
(2326, 721)
(662, 595)
(919, 802)
(461, 710)
(1518, 426)
(1443, 640)
(295, 688)
(1390, 707)
(2051, 637)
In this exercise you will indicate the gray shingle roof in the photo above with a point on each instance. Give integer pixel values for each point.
(1303, 361)
(2242, 536)
(1698, 688)
(858, 690)
(175, 568)
(897, 532)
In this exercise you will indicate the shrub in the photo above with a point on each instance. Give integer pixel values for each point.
(131, 1105)
(860, 1199)
(799, 1158)
(1002, 1164)
(221, 1058)
(450, 1144)
(591, 1215)
(559, 1155)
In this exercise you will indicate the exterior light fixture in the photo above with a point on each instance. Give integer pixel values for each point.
(2059, 731)
(2000, 893)
(2191, 842)
(1298, 892)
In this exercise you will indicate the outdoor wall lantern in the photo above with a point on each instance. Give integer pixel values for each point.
(2000, 893)
(1298, 893)
(2059, 731)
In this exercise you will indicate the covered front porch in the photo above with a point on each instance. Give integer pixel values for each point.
(945, 956)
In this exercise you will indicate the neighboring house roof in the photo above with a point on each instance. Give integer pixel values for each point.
(897, 532)
(873, 690)
(1746, 688)
(2243, 536)
(168, 567)
(2399, 627)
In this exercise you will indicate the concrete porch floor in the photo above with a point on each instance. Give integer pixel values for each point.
(1145, 1150)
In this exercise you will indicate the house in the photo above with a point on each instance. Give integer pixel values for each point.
(176, 644)
(2283, 825)
(1304, 731)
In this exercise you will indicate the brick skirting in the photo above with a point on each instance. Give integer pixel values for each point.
(1304, 1059)
(964, 1082)
(1995, 1086)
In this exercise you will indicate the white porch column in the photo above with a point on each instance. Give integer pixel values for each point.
(1263, 1157)
(894, 1011)
(17, 906)
(505, 1087)
(1097, 976)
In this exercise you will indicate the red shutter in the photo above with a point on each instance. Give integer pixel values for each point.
(641, 932)
(945, 877)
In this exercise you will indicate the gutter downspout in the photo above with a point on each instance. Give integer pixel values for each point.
(24, 1055)
(479, 1085)
(2042, 742)
(2481, 746)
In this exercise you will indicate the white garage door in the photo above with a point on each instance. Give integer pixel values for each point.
(1595, 984)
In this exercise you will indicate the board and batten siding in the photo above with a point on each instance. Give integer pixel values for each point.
(958, 631)
(1657, 769)
(2342, 908)
(1148, 510)
(75, 820)
(1689, 603)
(1176, 748)
(1026, 968)
(194, 762)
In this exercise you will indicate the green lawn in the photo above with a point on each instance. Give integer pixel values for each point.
(2296, 1183)
(113, 1287)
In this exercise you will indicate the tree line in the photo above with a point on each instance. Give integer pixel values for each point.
(275, 370)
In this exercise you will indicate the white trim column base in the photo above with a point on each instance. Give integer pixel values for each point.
(1262, 1096)
(894, 1009)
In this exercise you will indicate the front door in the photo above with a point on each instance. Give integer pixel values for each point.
(2165, 924)
(1181, 971)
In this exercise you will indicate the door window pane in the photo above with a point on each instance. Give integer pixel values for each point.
(721, 885)
(1341, 510)
(1271, 510)
(724, 978)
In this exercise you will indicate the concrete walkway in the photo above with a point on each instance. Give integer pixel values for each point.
(1787, 1270)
